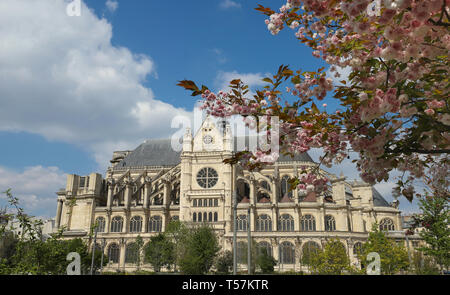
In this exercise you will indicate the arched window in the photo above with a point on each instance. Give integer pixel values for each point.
(131, 253)
(200, 203)
(308, 223)
(194, 217)
(100, 222)
(155, 224)
(205, 217)
(199, 217)
(194, 203)
(263, 223)
(264, 247)
(216, 202)
(210, 218)
(330, 223)
(113, 253)
(242, 223)
(287, 253)
(215, 216)
(210, 202)
(285, 187)
(116, 224)
(357, 248)
(308, 250)
(387, 224)
(136, 224)
(286, 223)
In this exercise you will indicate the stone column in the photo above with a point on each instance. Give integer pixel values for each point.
(147, 191)
(123, 246)
(166, 196)
(128, 194)
(108, 221)
(110, 195)
(58, 213)
(252, 192)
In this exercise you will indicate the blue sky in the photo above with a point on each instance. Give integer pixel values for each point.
(74, 89)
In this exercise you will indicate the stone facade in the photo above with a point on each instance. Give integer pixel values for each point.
(146, 188)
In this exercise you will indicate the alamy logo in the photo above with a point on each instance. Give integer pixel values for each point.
(74, 268)
(74, 8)
(374, 267)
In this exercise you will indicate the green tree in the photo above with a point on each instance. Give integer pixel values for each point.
(265, 262)
(393, 256)
(49, 257)
(332, 260)
(200, 247)
(176, 231)
(434, 219)
(224, 263)
(424, 265)
(159, 252)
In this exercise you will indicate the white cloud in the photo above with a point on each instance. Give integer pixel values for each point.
(60, 77)
(251, 79)
(35, 187)
(221, 59)
(225, 4)
(112, 5)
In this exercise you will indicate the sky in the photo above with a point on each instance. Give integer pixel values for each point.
(75, 88)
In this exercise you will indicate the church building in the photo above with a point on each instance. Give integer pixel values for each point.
(148, 187)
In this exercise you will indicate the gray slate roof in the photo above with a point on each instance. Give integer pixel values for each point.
(378, 200)
(153, 152)
(159, 152)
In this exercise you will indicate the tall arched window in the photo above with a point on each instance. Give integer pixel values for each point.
(330, 223)
(205, 216)
(387, 224)
(155, 224)
(286, 223)
(210, 218)
(194, 217)
(131, 253)
(264, 247)
(308, 223)
(285, 187)
(199, 216)
(308, 250)
(100, 222)
(263, 223)
(357, 248)
(136, 224)
(116, 224)
(242, 223)
(287, 253)
(113, 253)
(215, 216)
